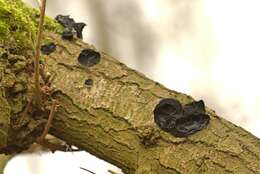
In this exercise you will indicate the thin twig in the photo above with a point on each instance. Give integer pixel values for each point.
(37, 54)
(87, 170)
(50, 118)
(54, 146)
(25, 112)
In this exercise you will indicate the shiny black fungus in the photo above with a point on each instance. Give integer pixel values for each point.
(190, 124)
(180, 121)
(166, 113)
(48, 48)
(88, 82)
(196, 107)
(89, 57)
(78, 27)
(70, 24)
(65, 21)
(67, 35)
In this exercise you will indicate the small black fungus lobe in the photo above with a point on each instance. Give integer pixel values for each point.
(48, 48)
(70, 25)
(89, 57)
(166, 113)
(180, 121)
(88, 82)
(78, 27)
(197, 107)
(190, 124)
(67, 35)
(66, 21)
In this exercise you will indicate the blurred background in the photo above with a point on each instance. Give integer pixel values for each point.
(206, 48)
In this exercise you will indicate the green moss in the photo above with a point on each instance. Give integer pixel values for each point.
(15, 22)
(18, 24)
(19, 66)
(4, 31)
(52, 25)
(19, 88)
(8, 80)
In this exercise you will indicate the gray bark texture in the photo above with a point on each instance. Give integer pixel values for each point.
(113, 118)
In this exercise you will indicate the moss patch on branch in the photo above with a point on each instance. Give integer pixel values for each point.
(18, 24)
(18, 29)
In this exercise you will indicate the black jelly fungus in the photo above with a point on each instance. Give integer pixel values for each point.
(190, 124)
(180, 121)
(48, 48)
(196, 107)
(78, 27)
(67, 35)
(166, 113)
(89, 82)
(65, 20)
(70, 24)
(89, 57)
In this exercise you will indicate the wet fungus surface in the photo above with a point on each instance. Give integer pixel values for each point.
(88, 82)
(89, 57)
(70, 26)
(65, 20)
(48, 48)
(67, 35)
(180, 121)
(78, 27)
(166, 113)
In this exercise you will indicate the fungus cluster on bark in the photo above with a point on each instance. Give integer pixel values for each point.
(71, 26)
(180, 121)
(48, 48)
(88, 82)
(89, 57)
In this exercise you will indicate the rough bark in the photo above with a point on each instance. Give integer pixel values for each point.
(113, 119)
